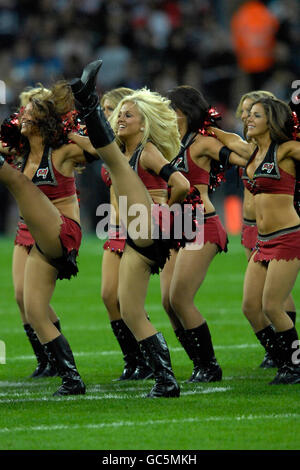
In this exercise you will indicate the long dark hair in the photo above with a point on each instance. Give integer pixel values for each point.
(192, 103)
(279, 118)
(199, 116)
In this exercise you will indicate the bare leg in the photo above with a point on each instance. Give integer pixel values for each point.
(276, 291)
(124, 179)
(41, 216)
(39, 284)
(109, 284)
(252, 296)
(20, 256)
(165, 283)
(135, 275)
(127, 183)
(190, 271)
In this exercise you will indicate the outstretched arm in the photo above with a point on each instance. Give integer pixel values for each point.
(234, 142)
(211, 147)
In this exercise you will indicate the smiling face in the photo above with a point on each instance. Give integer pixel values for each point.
(27, 123)
(129, 122)
(257, 123)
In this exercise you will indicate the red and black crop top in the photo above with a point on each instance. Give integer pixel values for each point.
(268, 177)
(184, 163)
(149, 178)
(50, 181)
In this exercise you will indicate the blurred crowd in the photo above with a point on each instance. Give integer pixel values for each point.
(225, 48)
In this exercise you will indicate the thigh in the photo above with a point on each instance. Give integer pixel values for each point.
(134, 275)
(254, 283)
(165, 283)
(110, 271)
(20, 255)
(280, 280)
(190, 270)
(110, 282)
(41, 216)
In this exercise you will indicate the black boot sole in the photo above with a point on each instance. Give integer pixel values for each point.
(173, 393)
(83, 86)
(215, 376)
(65, 391)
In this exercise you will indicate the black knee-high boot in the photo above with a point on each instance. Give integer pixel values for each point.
(156, 354)
(206, 367)
(135, 366)
(87, 101)
(267, 338)
(51, 370)
(44, 367)
(184, 341)
(39, 351)
(268, 361)
(60, 354)
(288, 352)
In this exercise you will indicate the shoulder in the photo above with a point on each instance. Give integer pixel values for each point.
(286, 149)
(149, 151)
(151, 158)
(202, 144)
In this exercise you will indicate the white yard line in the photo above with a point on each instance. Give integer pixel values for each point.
(158, 422)
(20, 397)
(113, 352)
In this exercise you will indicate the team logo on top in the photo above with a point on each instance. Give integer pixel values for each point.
(43, 172)
(268, 167)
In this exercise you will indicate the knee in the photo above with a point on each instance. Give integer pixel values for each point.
(32, 318)
(131, 312)
(177, 302)
(110, 299)
(34, 311)
(129, 316)
(250, 307)
(269, 307)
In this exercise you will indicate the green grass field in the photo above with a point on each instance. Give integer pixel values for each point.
(240, 412)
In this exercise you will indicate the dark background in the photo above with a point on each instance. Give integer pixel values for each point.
(159, 44)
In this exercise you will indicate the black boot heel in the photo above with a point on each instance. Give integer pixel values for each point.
(60, 354)
(84, 86)
(201, 351)
(87, 101)
(40, 353)
(156, 354)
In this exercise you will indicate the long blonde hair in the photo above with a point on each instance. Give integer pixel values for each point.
(159, 121)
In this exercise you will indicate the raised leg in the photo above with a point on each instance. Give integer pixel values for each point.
(41, 216)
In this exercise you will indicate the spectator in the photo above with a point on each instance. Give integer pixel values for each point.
(254, 29)
(115, 58)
